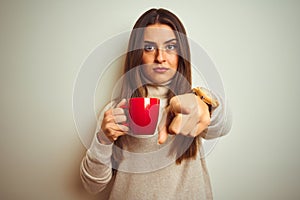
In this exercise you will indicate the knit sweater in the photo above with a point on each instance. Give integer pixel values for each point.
(146, 170)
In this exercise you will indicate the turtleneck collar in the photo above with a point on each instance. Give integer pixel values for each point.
(159, 91)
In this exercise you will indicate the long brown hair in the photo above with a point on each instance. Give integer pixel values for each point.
(133, 85)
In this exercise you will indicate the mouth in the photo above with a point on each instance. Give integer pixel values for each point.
(160, 69)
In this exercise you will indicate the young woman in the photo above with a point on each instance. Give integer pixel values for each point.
(128, 167)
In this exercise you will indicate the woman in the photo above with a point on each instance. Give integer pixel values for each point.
(157, 65)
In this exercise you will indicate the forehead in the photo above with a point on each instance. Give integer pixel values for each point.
(158, 33)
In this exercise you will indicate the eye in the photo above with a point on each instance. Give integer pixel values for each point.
(171, 47)
(149, 47)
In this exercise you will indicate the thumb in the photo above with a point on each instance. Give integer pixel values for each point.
(162, 135)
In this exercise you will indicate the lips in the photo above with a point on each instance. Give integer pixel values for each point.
(160, 69)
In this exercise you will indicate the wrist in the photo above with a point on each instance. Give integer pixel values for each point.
(101, 137)
(206, 97)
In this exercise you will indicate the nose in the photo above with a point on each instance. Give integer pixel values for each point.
(160, 55)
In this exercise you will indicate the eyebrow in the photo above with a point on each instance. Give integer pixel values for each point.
(168, 41)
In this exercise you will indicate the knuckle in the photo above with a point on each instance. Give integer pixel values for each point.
(174, 101)
(107, 113)
(206, 121)
(109, 119)
(173, 130)
(193, 134)
(106, 128)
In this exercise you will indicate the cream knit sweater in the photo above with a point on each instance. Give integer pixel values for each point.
(147, 171)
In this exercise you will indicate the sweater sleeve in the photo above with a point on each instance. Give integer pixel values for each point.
(221, 119)
(96, 166)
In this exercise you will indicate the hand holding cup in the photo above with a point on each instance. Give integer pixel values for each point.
(113, 124)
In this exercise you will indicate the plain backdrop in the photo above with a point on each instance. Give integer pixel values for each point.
(255, 45)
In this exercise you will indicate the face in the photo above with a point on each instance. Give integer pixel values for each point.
(160, 56)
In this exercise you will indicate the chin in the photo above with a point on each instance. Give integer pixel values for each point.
(161, 82)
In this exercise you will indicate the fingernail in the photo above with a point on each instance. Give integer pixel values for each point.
(158, 140)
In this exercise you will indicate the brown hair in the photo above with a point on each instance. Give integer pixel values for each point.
(133, 85)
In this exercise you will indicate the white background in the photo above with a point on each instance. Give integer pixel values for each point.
(255, 45)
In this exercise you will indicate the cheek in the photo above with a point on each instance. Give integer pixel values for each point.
(173, 61)
(147, 59)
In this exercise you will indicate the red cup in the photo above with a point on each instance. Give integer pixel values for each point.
(143, 115)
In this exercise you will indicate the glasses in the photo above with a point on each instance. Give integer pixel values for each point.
(169, 48)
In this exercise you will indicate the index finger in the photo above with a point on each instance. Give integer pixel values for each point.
(119, 110)
(122, 104)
